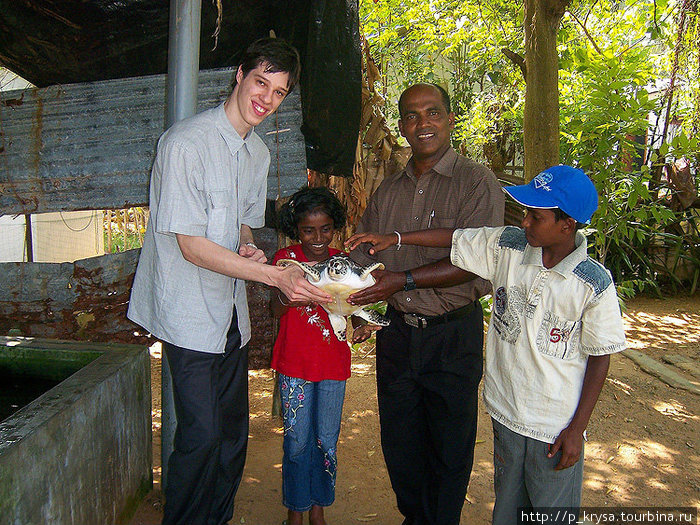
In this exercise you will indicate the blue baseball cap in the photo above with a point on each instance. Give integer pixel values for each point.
(563, 187)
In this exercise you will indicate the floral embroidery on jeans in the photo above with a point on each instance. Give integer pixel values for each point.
(292, 394)
(330, 460)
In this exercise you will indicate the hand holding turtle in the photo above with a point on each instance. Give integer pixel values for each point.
(339, 275)
(388, 283)
(378, 241)
(291, 281)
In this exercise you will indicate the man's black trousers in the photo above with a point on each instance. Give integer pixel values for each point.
(211, 404)
(427, 381)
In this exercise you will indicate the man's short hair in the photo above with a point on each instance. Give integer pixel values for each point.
(276, 54)
(443, 93)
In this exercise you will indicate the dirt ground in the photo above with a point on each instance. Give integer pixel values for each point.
(643, 448)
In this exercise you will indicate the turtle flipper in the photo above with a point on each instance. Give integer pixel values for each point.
(312, 272)
(373, 317)
(369, 269)
(339, 324)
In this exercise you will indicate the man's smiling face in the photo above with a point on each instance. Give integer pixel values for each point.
(256, 96)
(425, 122)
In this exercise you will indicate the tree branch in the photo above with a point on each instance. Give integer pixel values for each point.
(516, 59)
(588, 35)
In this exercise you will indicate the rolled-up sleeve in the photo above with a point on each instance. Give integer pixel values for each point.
(602, 330)
(182, 202)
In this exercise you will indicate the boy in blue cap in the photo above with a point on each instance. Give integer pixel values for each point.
(554, 324)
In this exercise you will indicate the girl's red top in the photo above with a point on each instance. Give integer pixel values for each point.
(306, 346)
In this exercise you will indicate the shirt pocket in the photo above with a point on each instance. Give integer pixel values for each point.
(218, 215)
(435, 221)
(559, 337)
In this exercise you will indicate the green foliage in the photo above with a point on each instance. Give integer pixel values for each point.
(122, 243)
(616, 57)
(605, 104)
(449, 42)
(494, 118)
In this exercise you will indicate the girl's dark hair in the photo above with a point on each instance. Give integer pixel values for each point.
(276, 54)
(306, 201)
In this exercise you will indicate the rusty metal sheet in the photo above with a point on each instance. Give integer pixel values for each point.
(87, 301)
(91, 145)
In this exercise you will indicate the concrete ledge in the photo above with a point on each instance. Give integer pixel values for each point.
(80, 453)
(664, 373)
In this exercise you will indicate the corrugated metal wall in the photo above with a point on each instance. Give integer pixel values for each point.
(91, 146)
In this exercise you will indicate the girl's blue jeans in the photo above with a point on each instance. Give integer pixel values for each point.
(312, 412)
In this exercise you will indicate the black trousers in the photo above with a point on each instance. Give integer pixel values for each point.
(211, 404)
(427, 381)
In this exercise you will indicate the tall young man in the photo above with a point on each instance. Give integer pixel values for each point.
(208, 188)
(429, 359)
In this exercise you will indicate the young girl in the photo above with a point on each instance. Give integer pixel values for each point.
(311, 362)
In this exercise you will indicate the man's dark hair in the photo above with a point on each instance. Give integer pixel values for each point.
(443, 93)
(276, 54)
(307, 201)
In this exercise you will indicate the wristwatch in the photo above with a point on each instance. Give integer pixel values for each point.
(410, 283)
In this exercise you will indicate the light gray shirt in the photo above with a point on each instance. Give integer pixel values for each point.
(206, 181)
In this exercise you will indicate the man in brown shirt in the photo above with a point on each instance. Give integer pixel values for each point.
(429, 359)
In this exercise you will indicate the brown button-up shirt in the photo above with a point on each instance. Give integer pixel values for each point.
(456, 193)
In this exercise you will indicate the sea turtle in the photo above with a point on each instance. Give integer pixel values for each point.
(340, 276)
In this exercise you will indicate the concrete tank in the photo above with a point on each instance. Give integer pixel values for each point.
(81, 452)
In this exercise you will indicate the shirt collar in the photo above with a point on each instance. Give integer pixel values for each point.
(565, 267)
(228, 132)
(444, 166)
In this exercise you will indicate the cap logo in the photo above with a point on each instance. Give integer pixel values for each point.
(542, 181)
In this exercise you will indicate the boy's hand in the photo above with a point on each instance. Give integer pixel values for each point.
(570, 442)
(364, 332)
(379, 241)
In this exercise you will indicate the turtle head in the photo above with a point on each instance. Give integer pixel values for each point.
(338, 269)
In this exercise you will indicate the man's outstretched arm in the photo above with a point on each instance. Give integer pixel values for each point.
(204, 253)
(440, 274)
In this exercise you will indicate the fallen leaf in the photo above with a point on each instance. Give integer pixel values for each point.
(610, 459)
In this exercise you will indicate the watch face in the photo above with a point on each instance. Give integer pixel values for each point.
(410, 283)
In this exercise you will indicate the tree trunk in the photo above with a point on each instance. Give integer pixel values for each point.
(541, 118)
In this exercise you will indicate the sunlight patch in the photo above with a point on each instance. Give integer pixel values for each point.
(675, 410)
